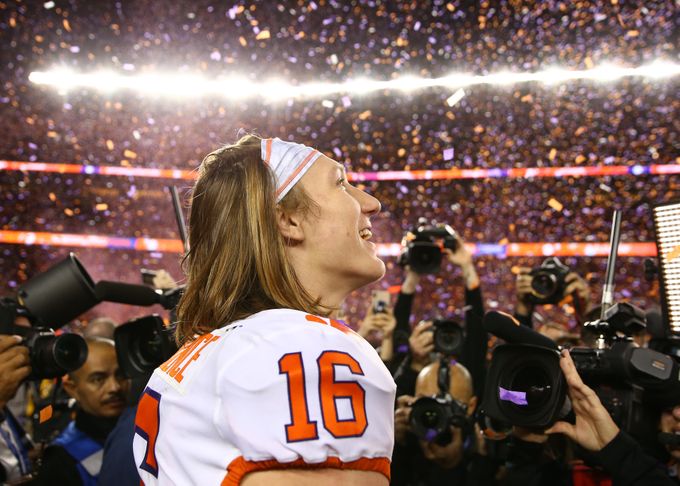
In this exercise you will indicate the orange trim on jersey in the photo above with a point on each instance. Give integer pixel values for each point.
(268, 151)
(313, 318)
(239, 467)
(297, 171)
(331, 322)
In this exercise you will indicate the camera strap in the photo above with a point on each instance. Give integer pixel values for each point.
(444, 375)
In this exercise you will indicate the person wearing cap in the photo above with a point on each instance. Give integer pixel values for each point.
(267, 387)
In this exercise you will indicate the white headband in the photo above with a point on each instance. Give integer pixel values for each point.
(289, 161)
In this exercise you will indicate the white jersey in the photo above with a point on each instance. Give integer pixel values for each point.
(279, 389)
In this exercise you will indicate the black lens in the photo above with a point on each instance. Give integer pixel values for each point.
(53, 356)
(69, 351)
(534, 382)
(425, 257)
(147, 349)
(428, 418)
(544, 284)
(448, 337)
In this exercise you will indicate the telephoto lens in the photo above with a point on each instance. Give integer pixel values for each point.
(53, 356)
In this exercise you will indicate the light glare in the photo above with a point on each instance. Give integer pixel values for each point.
(189, 85)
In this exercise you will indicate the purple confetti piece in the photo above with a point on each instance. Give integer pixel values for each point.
(518, 398)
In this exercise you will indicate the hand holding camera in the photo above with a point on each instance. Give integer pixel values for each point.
(14, 367)
(594, 427)
(401, 417)
(524, 305)
(421, 343)
(424, 247)
(382, 322)
(461, 257)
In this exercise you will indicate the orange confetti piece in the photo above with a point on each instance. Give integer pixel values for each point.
(129, 154)
(45, 414)
(263, 35)
(555, 204)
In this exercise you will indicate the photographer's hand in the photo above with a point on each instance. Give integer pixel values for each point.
(163, 281)
(523, 304)
(14, 367)
(594, 427)
(463, 259)
(369, 324)
(386, 323)
(401, 417)
(421, 343)
(577, 287)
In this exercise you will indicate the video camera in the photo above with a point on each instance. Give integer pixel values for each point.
(143, 344)
(63, 292)
(423, 247)
(525, 385)
(49, 301)
(548, 281)
(431, 418)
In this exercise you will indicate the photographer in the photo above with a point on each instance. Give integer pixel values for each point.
(449, 458)
(14, 445)
(99, 389)
(421, 339)
(595, 430)
(544, 285)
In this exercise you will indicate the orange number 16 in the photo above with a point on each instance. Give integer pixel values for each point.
(330, 389)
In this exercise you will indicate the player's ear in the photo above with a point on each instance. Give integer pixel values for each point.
(290, 225)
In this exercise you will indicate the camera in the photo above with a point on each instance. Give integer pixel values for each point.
(423, 247)
(448, 337)
(431, 418)
(48, 301)
(525, 385)
(548, 281)
(143, 344)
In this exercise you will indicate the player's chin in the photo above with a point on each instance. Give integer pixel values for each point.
(375, 270)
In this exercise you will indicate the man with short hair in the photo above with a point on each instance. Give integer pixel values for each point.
(99, 388)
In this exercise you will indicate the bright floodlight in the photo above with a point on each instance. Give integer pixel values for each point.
(667, 229)
(237, 88)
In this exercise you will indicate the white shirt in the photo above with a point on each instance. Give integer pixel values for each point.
(279, 389)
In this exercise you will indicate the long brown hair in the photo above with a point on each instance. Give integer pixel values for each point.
(237, 263)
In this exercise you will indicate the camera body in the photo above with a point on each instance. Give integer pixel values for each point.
(143, 344)
(548, 281)
(50, 355)
(431, 418)
(448, 337)
(525, 385)
(423, 247)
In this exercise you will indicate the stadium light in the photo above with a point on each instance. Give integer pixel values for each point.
(667, 229)
(193, 85)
